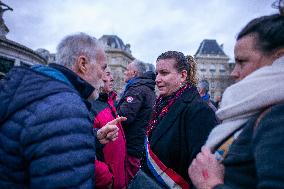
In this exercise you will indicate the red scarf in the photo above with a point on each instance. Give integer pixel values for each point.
(162, 106)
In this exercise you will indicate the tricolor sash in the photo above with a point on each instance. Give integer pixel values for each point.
(164, 175)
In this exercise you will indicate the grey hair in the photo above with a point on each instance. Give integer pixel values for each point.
(140, 66)
(76, 45)
(204, 84)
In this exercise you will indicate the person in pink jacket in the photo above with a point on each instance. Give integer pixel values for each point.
(110, 164)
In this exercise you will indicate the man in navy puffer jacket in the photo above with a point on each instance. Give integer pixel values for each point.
(46, 135)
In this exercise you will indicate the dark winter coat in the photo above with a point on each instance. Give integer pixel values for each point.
(256, 158)
(46, 135)
(179, 136)
(137, 105)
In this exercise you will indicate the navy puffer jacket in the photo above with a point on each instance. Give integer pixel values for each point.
(46, 136)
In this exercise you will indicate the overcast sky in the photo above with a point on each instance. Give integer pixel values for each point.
(149, 26)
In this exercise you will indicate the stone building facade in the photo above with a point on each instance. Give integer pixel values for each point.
(15, 54)
(213, 65)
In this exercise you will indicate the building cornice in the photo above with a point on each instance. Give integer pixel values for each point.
(22, 49)
(112, 50)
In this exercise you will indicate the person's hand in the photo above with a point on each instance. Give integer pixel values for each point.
(205, 171)
(109, 132)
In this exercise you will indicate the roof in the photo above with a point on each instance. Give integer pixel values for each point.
(113, 41)
(210, 47)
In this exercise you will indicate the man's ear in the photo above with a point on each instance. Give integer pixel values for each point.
(80, 65)
(135, 73)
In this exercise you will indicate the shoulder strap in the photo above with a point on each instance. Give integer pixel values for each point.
(261, 115)
(223, 149)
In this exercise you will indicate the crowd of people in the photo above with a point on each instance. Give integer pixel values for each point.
(64, 126)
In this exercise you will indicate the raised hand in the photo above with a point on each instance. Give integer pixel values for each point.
(109, 132)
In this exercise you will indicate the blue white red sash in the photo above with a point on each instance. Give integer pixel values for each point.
(165, 176)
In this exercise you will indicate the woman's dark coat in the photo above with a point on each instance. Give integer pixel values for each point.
(179, 136)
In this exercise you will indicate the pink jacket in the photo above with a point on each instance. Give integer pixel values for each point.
(113, 166)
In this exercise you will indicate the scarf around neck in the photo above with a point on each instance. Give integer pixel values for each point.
(259, 90)
(162, 106)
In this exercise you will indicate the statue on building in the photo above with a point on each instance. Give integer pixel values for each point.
(127, 48)
(3, 28)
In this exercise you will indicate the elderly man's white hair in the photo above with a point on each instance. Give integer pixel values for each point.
(140, 66)
(73, 46)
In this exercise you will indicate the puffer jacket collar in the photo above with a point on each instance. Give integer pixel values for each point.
(83, 87)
